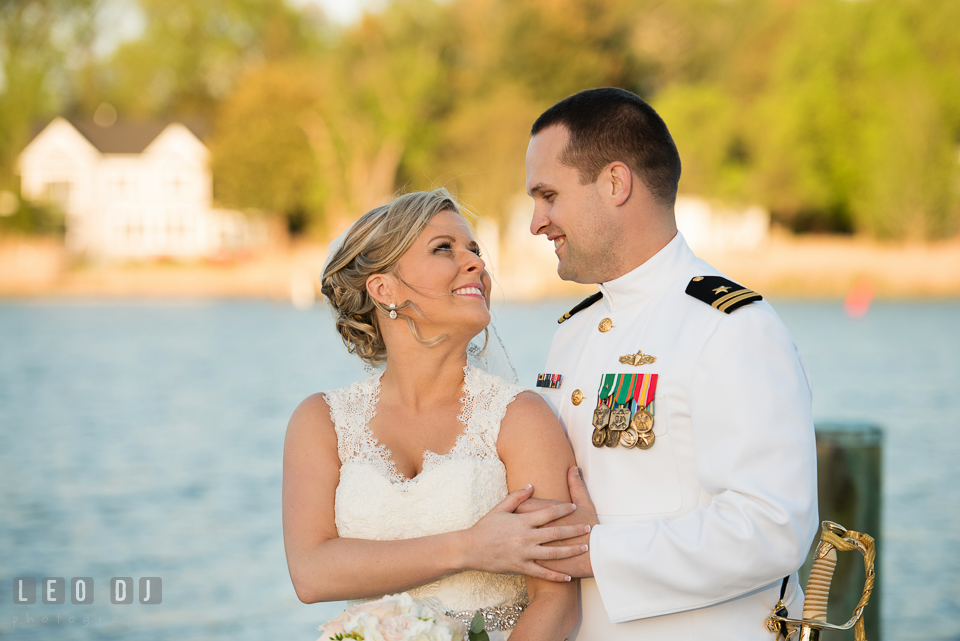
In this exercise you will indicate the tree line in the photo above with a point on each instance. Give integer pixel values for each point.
(838, 116)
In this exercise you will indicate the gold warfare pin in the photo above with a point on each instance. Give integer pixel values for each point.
(638, 359)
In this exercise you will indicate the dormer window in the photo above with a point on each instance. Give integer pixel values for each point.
(175, 187)
(58, 195)
(120, 186)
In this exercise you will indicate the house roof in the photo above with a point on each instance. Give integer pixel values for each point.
(127, 136)
(121, 137)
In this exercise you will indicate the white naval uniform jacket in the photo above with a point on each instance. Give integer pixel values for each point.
(697, 532)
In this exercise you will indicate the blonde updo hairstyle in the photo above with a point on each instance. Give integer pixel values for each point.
(374, 245)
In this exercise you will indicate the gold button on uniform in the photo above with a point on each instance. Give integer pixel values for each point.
(576, 397)
(605, 325)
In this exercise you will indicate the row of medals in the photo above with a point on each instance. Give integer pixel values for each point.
(615, 427)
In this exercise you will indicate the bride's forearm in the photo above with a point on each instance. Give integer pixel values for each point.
(339, 568)
(500, 542)
(549, 617)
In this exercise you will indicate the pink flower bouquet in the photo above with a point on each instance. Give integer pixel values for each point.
(392, 618)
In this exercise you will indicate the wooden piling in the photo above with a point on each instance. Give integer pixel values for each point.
(849, 472)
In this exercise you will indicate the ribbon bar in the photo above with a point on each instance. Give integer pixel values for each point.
(549, 381)
(645, 390)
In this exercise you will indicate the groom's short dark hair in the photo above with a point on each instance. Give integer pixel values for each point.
(612, 124)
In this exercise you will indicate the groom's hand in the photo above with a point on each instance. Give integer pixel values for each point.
(586, 514)
(505, 541)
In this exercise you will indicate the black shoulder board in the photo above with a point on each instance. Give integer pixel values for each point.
(582, 305)
(721, 293)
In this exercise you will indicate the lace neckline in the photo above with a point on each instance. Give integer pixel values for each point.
(430, 459)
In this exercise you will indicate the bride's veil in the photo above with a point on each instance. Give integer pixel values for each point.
(487, 352)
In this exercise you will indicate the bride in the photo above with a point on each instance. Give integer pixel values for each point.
(408, 481)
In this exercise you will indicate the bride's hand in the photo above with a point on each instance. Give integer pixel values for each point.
(504, 542)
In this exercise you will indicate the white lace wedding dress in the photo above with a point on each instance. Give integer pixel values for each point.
(454, 490)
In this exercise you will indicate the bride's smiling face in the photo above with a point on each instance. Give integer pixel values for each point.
(443, 275)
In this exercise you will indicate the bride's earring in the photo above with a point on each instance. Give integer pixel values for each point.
(393, 312)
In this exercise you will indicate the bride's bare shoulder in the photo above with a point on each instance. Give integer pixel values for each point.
(311, 421)
(529, 405)
(533, 447)
(530, 415)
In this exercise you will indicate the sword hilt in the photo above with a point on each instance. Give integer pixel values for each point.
(817, 594)
(833, 537)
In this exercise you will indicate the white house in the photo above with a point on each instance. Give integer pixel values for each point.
(712, 227)
(131, 190)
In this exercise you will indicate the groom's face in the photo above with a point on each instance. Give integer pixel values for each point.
(568, 213)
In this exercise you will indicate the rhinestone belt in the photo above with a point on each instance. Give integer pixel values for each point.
(502, 617)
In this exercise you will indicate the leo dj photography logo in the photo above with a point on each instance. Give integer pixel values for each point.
(53, 590)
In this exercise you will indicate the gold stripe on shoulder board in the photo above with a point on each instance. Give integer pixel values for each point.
(737, 299)
(723, 299)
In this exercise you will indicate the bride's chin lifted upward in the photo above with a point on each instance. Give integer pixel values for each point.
(420, 372)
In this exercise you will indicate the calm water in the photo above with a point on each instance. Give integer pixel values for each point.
(145, 439)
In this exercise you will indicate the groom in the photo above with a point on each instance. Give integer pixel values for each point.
(683, 395)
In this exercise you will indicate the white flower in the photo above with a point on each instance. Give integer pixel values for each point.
(394, 618)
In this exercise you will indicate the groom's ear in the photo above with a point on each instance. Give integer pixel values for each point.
(619, 182)
(380, 287)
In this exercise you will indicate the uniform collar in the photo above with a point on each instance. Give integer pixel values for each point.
(649, 278)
